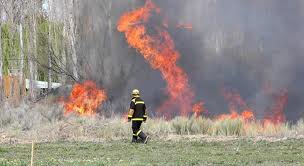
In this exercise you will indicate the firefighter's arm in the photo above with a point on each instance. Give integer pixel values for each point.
(145, 113)
(131, 110)
(130, 114)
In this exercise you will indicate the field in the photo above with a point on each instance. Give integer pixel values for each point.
(233, 152)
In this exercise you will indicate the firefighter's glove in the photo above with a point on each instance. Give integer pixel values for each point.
(145, 119)
(129, 119)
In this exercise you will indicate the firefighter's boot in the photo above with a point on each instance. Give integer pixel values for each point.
(143, 137)
(134, 139)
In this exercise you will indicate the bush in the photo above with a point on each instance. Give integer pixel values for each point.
(157, 127)
(181, 125)
(193, 125)
(26, 117)
(227, 127)
(299, 127)
(202, 125)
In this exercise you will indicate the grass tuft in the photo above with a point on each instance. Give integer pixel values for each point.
(227, 127)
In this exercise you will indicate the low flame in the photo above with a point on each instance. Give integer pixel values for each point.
(276, 114)
(245, 116)
(236, 103)
(198, 109)
(85, 99)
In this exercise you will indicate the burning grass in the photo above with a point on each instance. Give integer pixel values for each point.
(47, 123)
(84, 99)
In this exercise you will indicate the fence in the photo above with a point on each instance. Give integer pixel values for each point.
(14, 90)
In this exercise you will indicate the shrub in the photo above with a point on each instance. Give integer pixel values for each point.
(182, 125)
(227, 127)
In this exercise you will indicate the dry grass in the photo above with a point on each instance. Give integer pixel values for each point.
(227, 127)
(47, 123)
(186, 126)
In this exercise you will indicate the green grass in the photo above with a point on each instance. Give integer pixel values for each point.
(238, 152)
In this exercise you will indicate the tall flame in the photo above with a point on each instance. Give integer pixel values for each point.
(157, 47)
(85, 99)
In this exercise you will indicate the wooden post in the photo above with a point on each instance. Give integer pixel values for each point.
(32, 155)
(16, 91)
(7, 86)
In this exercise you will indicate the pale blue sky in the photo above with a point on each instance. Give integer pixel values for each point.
(45, 4)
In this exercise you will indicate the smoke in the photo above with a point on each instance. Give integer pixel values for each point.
(237, 44)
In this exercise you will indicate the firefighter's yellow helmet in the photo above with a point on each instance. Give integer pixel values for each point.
(135, 93)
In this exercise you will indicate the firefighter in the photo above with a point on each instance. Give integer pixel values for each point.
(137, 114)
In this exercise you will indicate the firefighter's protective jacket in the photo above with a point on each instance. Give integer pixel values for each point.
(139, 107)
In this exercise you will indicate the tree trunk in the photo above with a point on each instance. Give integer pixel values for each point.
(31, 70)
(72, 40)
(21, 55)
(32, 52)
(64, 44)
(110, 30)
(35, 48)
(73, 50)
(110, 19)
(49, 60)
(50, 47)
(1, 63)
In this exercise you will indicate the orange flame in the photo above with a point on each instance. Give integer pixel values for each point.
(248, 115)
(157, 47)
(236, 103)
(198, 109)
(276, 114)
(85, 99)
(245, 116)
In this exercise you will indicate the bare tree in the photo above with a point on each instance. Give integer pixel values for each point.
(72, 37)
(64, 43)
(50, 5)
(107, 8)
(1, 60)
(32, 48)
(19, 5)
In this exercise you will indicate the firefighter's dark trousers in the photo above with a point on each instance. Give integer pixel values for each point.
(136, 131)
